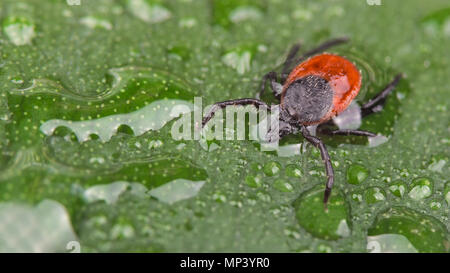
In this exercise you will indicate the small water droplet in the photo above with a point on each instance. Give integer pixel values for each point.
(357, 196)
(227, 13)
(122, 231)
(219, 197)
(264, 197)
(238, 59)
(19, 30)
(282, 185)
(435, 204)
(149, 11)
(437, 163)
(95, 22)
(253, 181)
(421, 188)
(356, 174)
(187, 22)
(398, 188)
(17, 80)
(374, 195)
(272, 168)
(180, 53)
(293, 171)
(244, 13)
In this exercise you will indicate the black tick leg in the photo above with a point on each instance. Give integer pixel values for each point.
(223, 104)
(290, 59)
(376, 103)
(272, 76)
(326, 159)
(345, 132)
(276, 87)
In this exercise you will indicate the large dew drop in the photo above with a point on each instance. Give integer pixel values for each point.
(312, 216)
(142, 98)
(168, 180)
(422, 232)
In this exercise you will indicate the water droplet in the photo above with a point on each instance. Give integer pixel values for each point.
(398, 188)
(226, 13)
(324, 249)
(26, 229)
(272, 168)
(356, 174)
(437, 163)
(111, 192)
(168, 180)
(238, 59)
(264, 197)
(425, 233)
(94, 22)
(187, 22)
(151, 117)
(437, 22)
(293, 171)
(283, 186)
(17, 80)
(150, 11)
(180, 53)
(357, 196)
(421, 188)
(19, 30)
(122, 231)
(374, 195)
(435, 204)
(177, 190)
(311, 215)
(389, 243)
(302, 14)
(244, 13)
(219, 197)
(253, 181)
(141, 98)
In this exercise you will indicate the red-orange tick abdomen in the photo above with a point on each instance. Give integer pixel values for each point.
(342, 77)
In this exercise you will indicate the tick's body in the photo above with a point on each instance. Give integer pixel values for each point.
(315, 91)
(341, 77)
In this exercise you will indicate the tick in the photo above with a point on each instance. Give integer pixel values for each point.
(319, 87)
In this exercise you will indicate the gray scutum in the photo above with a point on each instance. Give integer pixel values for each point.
(308, 99)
